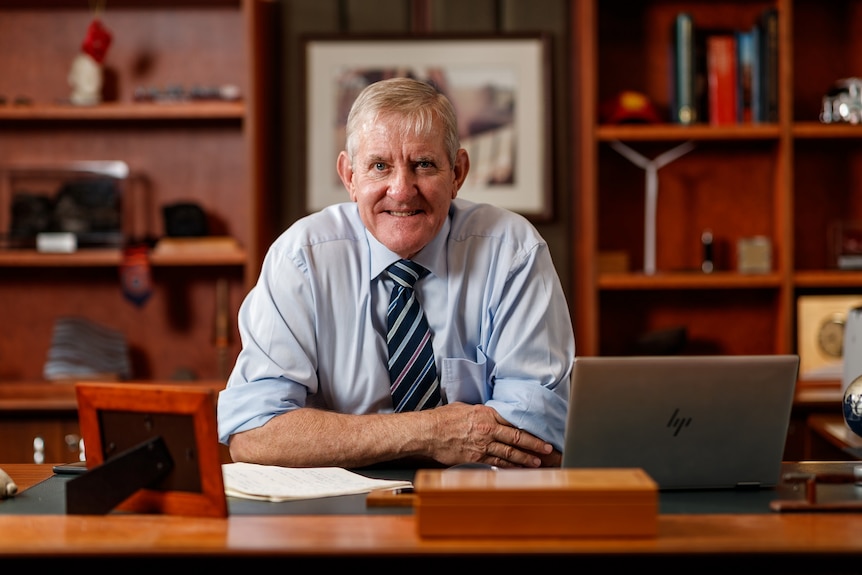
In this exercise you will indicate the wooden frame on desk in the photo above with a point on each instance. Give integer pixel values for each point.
(117, 416)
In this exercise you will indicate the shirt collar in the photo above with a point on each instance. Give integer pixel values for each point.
(432, 256)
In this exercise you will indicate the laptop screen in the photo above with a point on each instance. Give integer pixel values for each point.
(690, 422)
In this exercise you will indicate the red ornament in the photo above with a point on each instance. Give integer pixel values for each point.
(97, 41)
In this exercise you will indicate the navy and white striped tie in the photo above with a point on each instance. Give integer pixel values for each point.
(412, 371)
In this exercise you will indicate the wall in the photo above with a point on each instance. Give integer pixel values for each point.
(395, 17)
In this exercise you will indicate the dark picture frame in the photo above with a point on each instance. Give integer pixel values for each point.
(500, 86)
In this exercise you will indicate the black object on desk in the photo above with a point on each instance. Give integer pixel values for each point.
(102, 488)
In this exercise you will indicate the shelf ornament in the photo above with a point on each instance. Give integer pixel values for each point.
(86, 74)
(651, 167)
(135, 274)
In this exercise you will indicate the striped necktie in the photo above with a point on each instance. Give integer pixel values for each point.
(412, 372)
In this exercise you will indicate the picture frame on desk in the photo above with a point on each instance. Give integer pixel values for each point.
(500, 86)
(118, 419)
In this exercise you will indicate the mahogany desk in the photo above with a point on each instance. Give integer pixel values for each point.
(830, 438)
(721, 539)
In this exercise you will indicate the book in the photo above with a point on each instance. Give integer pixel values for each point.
(721, 78)
(274, 483)
(744, 72)
(684, 107)
(768, 25)
(756, 75)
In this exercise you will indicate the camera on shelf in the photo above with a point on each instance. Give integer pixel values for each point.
(843, 102)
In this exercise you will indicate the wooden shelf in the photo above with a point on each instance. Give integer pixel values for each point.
(191, 110)
(114, 257)
(691, 280)
(664, 132)
(817, 130)
(828, 279)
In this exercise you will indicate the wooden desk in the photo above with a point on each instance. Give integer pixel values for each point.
(779, 542)
(829, 436)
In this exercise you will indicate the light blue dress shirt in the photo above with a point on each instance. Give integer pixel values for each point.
(313, 326)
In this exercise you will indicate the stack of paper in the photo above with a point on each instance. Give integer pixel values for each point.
(274, 483)
(81, 348)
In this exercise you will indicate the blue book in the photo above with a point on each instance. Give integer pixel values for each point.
(757, 114)
(744, 76)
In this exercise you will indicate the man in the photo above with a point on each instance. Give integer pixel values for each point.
(311, 386)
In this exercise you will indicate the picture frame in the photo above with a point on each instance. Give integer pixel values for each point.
(116, 417)
(500, 86)
(820, 321)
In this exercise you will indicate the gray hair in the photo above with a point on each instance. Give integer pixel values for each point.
(419, 104)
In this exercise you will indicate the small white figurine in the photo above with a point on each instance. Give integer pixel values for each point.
(85, 77)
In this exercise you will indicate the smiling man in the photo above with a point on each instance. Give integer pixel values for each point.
(324, 379)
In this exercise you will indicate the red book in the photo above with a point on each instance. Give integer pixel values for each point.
(721, 79)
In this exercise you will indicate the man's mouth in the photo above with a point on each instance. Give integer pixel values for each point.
(403, 214)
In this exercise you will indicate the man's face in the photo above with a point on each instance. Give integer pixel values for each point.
(403, 184)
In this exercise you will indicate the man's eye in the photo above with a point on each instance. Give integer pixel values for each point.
(424, 165)
(379, 166)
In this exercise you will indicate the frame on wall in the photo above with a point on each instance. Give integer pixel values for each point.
(118, 419)
(500, 86)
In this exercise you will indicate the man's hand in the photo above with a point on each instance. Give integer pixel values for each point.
(477, 434)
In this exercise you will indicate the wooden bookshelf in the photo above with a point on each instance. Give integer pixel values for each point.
(209, 152)
(787, 180)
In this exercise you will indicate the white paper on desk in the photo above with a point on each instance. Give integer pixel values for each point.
(274, 483)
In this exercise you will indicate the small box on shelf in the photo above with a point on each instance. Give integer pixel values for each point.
(754, 255)
(846, 245)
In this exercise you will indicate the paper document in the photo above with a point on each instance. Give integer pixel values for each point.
(274, 483)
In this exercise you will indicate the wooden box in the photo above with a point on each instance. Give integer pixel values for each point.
(536, 502)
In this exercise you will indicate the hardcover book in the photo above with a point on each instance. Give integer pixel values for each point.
(745, 70)
(769, 58)
(721, 79)
(684, 108)
(757, 114)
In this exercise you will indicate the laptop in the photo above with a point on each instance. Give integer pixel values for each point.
(690, 422)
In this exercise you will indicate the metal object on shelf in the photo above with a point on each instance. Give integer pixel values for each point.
(843, 102)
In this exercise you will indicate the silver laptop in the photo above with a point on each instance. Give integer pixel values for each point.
(690, 422)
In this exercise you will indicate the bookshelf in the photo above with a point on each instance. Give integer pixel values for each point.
(209, 152)
(787, 180)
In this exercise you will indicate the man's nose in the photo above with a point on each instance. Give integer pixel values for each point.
(402, 185)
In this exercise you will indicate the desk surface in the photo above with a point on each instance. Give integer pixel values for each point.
(794, 542)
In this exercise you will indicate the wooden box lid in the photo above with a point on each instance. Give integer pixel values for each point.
(536, 502)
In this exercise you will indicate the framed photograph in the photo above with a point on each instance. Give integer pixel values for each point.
(123, 424)
(820, 322)
(500, 89)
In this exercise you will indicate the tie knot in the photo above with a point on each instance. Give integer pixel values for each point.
(406, 272)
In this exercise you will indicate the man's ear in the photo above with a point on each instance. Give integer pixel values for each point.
(345, 172)
(461, 168)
